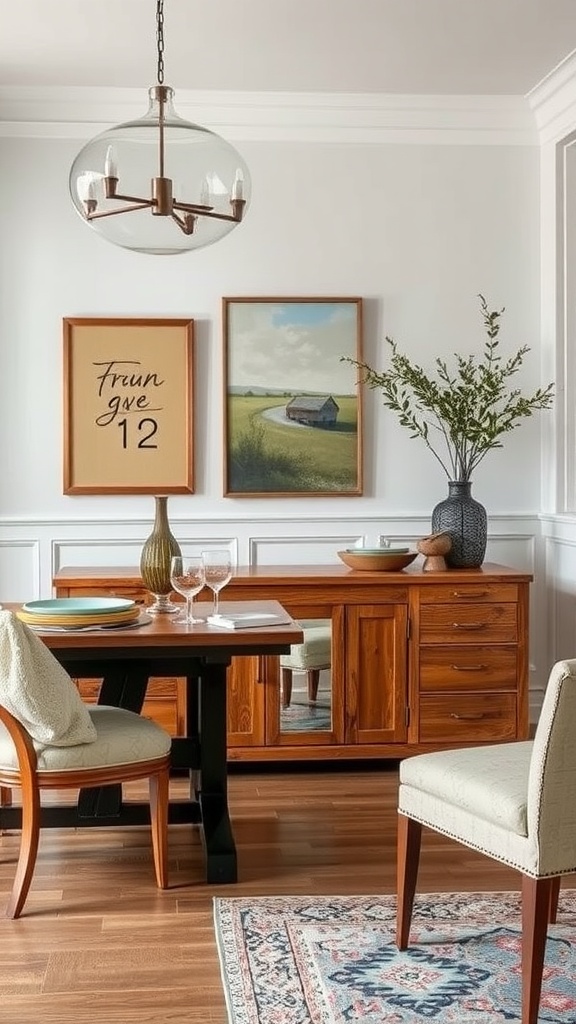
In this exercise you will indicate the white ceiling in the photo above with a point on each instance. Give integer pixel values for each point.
(379, 46)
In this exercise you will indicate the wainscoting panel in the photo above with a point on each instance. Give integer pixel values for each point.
(19, 570)
(560, 590)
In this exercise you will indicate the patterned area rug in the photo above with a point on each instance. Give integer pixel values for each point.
(306, 717)
(332, 960)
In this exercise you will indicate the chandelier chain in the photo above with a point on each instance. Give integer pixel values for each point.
(160, 39)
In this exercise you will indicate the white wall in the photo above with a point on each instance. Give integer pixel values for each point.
(416, 224)
(554, 105)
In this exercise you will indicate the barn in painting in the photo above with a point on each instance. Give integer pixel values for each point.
(319, 411)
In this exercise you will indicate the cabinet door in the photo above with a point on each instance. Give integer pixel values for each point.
(376, 694)
(304, 688)
(245, 701)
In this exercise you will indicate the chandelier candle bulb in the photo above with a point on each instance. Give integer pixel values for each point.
(86, 189)
(110, 166)
(238, 186)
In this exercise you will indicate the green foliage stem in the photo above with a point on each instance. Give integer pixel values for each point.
(460, 414)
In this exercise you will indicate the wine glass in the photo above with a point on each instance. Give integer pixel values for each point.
(217, 572)
(187, 578)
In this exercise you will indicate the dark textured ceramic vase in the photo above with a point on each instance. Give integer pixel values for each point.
(155, 557)
(465, 520)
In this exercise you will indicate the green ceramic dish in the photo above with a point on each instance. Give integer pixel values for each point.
(79, 606)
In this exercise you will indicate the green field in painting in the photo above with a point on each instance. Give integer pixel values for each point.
(264, 456)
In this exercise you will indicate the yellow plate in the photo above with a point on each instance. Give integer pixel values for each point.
(112, 618)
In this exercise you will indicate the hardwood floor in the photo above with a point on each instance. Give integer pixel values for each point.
(99, 943)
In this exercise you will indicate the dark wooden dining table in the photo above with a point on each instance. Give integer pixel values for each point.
(125, 659)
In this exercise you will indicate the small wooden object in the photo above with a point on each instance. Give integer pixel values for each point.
(434, 548)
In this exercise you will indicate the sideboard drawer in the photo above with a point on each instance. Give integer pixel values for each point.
(468, 623)
(469, 593)
(468, 667)
(472, 717)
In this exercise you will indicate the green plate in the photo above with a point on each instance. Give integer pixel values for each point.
(79, 606)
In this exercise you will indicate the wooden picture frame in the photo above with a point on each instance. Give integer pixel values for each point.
(128, 406)
(292, 404)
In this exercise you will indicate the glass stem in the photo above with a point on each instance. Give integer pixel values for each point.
(216, 612)
(189, 608)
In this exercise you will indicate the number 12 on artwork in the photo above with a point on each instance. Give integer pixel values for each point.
(147, 428)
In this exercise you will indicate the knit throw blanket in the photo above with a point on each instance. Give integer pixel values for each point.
(35, 688)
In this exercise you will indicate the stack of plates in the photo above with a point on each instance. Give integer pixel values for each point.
(78, 612)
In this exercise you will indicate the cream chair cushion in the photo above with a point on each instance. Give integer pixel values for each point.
(315, 651)
(36, 689)
(122, 737)
(468, 779)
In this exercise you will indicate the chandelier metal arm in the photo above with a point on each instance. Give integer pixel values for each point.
(133, 199)
(187, 223)
(208, 211)
(95, 214)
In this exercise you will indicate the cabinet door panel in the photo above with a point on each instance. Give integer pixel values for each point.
(376, 676)
(245, 702)
(304, 689)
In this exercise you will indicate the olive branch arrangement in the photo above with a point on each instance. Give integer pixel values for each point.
(461, 414)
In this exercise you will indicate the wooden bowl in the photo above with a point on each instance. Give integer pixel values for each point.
(370, 561)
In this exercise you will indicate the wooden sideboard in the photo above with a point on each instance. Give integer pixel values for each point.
(420, 661)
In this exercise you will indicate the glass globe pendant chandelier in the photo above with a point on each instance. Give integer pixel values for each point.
(160, 184)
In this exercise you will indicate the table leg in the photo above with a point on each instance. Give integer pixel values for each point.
(121, 689)
(221, 860)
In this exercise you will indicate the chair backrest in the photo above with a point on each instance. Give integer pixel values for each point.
(552, 777)
(36, 689)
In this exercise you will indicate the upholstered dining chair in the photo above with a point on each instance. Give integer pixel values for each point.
(49, 739)
(515, 802)
(311, 656)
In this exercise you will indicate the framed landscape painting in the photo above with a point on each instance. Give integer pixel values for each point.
(292, 406)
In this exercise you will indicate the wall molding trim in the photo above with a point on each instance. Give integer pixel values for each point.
(553, 101)
(349, 118)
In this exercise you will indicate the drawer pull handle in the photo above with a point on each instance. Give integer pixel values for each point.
(259, 671)
(467, 718)
(470, 595)
(469, 668)
(469, 625)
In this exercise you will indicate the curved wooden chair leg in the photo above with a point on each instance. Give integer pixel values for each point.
(159, 786)
(554, 897)
(408, 856)
(536, 903)
(286, 687)
(313, 677)
(28, 848)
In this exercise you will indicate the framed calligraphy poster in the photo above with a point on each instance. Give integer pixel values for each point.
(128, 406)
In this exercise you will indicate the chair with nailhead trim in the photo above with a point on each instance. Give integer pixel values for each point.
(515, 802)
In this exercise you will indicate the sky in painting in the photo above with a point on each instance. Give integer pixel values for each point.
(293, 346)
